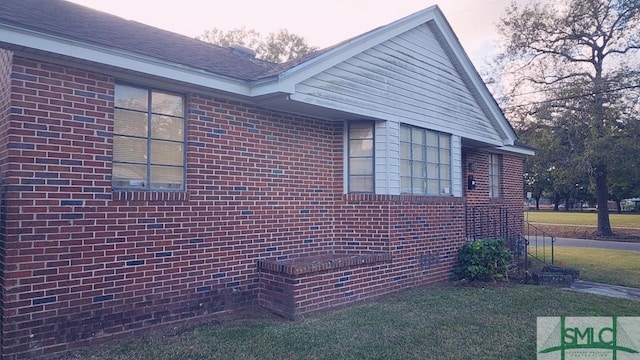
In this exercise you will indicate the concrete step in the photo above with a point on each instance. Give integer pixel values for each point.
(555, 275)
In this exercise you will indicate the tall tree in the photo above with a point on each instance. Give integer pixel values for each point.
(578, 48)
(276, 47)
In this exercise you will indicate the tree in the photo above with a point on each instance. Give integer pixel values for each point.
(277, 47)
(538, 169)
(573, 55)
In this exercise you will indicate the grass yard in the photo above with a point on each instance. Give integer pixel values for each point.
(439, 322)
(582, 218)
(616, 267)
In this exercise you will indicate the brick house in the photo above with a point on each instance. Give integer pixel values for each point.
(148, 178)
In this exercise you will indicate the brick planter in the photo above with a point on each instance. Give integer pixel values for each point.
(292, 288)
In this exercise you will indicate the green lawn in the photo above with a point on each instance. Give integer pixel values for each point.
(440, 322)
(616, 267)
(581, 218)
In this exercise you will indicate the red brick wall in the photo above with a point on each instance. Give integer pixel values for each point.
(426, 233)
(511, 198)
(6, 59)
(84, 263)
(422, 235)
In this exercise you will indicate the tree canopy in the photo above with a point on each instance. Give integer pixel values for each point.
(575, 62)
(277, 47)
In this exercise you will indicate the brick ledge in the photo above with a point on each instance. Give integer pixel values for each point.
(311, 264)
(149, 196)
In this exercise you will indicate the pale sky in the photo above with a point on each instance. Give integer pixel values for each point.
(321, 22)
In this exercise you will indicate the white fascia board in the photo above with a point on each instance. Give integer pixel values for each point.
(120, 59)
(288, 79)
(271, 85)
(517, 150)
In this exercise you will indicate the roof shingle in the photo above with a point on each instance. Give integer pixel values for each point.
(79, 23)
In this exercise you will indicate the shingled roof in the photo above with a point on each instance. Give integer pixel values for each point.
(80, 23)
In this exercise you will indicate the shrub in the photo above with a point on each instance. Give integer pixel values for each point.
(483, 260)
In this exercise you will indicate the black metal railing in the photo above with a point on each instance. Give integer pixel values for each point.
(541, 243)
(523, 239)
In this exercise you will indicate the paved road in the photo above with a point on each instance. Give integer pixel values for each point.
(616, 245)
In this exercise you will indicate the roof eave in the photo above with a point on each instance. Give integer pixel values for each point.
(18, 38)
(514, 149)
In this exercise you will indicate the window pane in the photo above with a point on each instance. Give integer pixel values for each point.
(445, 172)
(405, 184)
(405, 150)
(168, 128)
(418, 169)
(433, 186)
(494, 191)
(405, 167)
(445, 156)
(432, 171)
(360, 166)
(148, 141)
(127, 122)
(167, 104)
(445, 141)
(131, 98)
(426, 157)
(361, 131)
(432, 154)
(126, 149)
(445, 186)
(417, 152)
(166, 153)
(418, 186)
(361, 183)
(360, 162)
(432, 138)
(360, 147)
(129, 175)
(417, 136)
(405, 133)
(166, 177)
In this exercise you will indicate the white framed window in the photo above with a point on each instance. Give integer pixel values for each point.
(425, 161)
(148, 139)
(494, 175)
(360, 166)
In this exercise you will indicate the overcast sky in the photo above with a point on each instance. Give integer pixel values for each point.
(321, 22)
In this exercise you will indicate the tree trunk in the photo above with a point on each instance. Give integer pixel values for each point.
(602, 196)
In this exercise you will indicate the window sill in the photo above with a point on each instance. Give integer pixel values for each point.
(404, 198)
(161, 196)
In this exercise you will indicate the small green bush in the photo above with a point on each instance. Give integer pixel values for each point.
(483, 260)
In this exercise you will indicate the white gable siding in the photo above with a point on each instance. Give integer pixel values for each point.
(456, 166)
(408, 79)
(387, 162)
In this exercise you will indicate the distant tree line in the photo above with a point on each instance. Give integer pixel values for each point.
(278, 47)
